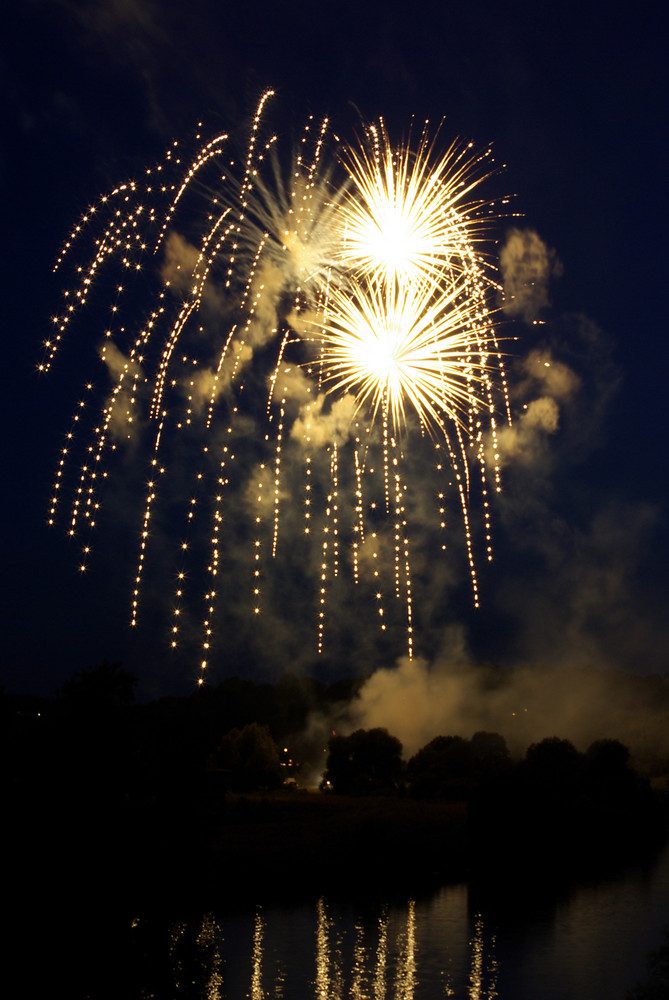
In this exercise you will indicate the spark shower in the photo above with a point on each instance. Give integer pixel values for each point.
(281, 340)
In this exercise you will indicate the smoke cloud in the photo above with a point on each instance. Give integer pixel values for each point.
(417, 701)
(179, 261)
(540, 370)
(266, 289)
(292, 384)
(315, 428)
(524, 442)
(527, 265)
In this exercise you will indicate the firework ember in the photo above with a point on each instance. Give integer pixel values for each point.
(345, 298)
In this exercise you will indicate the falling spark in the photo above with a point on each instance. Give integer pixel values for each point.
(359, 276)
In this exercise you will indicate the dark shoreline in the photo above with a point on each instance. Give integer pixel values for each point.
(290, 845)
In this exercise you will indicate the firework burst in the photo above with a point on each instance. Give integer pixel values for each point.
(350, 292)
(411, 214)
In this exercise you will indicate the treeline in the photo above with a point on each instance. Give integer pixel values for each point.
(555, 800)
(118, 792)
(93, 781)
(92, 741)
(255, 736)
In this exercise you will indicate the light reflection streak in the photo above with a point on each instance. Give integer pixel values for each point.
(195, 958)
(360, 964)
(355, 957)
(480, 967)
(476, 973)
(328, 980)
(207, 943)
(381, 957)
(406, 970)
(256, 975)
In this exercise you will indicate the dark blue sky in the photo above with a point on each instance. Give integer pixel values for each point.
(573, 99)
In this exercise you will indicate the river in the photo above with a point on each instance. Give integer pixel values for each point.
(583, 941)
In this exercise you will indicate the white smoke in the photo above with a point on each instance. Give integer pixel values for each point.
(292, 383)
(417, 701)
(527, 265)
(315, 428)
(524, 442)
(179, 262)
(266, 287)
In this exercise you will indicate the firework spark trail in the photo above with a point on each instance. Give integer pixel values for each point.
(122, 236)
(389, 322)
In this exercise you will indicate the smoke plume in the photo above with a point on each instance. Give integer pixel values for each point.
(417, 701)
(527, 265)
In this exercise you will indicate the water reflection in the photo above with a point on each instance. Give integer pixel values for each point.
(328, 957)
(256, 975)
(334, 952)
(195, 962)
(466, 942)
(406, 967)
(380, 978)
(483, 974)
(368, 947)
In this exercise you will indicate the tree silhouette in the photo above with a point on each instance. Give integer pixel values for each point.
(250, 758)
(369, 761)
(102, 688)
(443, 769)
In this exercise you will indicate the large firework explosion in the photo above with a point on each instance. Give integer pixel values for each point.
(344, 297)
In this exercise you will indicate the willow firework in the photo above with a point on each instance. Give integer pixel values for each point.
(346, 299)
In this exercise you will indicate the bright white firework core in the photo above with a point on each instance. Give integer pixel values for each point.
(368, 280)
(390, 239)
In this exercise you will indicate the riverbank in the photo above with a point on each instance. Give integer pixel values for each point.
(311, 839)
(299, 842)
(290, 844)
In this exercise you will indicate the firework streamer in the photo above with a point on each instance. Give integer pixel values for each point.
(342, 302)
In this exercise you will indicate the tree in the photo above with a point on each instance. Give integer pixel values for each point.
(555, 766)
(367, 762)
(442, 769)
(491, 755)
(624, 802)
(607, 759)
(100, 689)
(92, 752)
(250, 757)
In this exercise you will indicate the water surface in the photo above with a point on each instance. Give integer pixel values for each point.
(586, 941)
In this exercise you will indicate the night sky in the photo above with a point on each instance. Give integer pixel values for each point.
(573, 101)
